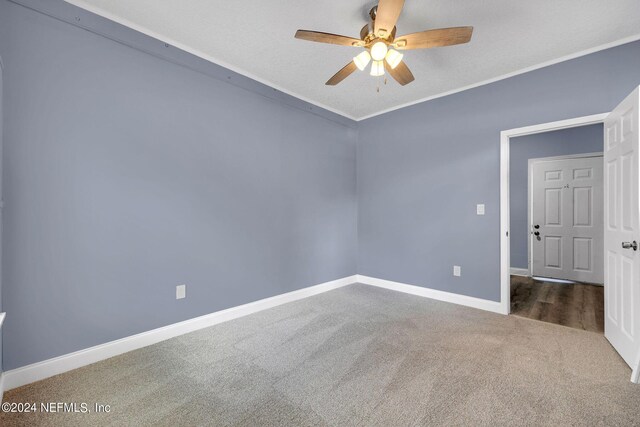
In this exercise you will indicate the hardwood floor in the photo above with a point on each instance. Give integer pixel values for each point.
(576, 305)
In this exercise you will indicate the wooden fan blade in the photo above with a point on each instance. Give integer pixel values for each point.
(402, 74)
(434, 38)
(316, 36)
(342, 74)
(386, 16)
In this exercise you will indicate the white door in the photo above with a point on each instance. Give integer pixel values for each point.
(622, 230)
(567, 219)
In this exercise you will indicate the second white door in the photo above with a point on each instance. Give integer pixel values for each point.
(567, 235)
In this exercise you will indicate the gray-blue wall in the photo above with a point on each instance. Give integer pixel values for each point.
(129, 171)
(126, 175)
(1, 143)
(584, 139)
(423, 169)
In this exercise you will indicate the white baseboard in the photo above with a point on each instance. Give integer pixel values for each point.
(482, 304)
(58, 365)
(519, 272)
(48, 368)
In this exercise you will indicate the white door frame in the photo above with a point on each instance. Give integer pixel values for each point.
(505, 245)
(530, 194)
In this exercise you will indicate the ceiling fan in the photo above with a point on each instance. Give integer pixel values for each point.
(379, 39)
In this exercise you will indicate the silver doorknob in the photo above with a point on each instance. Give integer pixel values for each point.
(630, 245)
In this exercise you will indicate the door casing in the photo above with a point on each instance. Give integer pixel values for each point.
(505, 244)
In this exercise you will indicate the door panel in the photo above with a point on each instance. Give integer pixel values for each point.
(553, 206)
(582, 206)
(627, 187)
(552, 251)
(582, 173)
(611, 294)
(582, 255)
(553, 176)
(611, 194)
(627, 297)
(567, 205)
(622, 269)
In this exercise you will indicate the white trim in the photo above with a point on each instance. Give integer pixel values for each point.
(101, 12)
(566, 157)
(635, 373)
(519, 272)
(468, 301)
(505, 256)
(530, 164)
(1, 386)
(508, 75)
(45, 369)
(2, 317)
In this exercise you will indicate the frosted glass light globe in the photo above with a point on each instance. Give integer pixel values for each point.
(393, 58)
(378, 51)
(377, 69)
(362, 60)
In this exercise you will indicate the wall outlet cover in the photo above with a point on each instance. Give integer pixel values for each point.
(456, 270)
(480, 209)
(181, 291)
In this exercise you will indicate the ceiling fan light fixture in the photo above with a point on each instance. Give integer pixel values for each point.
(393, 58)
(378, 51)
(378, 38)
(362, 60)
(377, 68)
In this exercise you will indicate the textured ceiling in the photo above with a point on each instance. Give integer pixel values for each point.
(255, 38)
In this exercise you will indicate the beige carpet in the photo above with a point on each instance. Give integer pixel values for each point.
(354, 356)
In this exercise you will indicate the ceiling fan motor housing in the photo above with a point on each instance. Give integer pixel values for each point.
(367, 34)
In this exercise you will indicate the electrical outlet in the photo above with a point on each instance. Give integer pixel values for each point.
(480, 209)
(456, 270)
(181, 291)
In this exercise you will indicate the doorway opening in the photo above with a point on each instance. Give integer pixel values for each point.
(554, 207)
(621, 158)
(557, 227)
(522, 229)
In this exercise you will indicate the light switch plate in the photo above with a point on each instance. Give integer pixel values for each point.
(480, 209)
(456, 270)
(181, 291)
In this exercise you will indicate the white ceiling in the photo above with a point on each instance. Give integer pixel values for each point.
(255, 38)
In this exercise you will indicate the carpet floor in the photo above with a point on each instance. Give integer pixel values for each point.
(358, 356)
